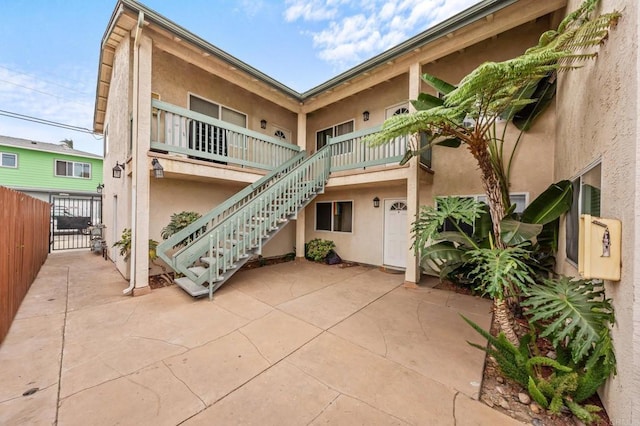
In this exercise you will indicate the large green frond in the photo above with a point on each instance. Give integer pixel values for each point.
(572, 311)
(500, 273)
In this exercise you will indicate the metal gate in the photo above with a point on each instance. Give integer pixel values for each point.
(71, 219)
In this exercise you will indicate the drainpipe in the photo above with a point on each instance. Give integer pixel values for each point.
(134, 197)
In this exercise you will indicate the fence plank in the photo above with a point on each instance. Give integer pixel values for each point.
(24, 246)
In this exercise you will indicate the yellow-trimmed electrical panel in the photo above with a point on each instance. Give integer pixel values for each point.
(599, 247)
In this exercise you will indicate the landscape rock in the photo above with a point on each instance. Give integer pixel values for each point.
(524, 398)
(503, 403)
(488, 401)
(535, 408)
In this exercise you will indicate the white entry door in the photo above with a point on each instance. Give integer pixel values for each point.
(396, 238)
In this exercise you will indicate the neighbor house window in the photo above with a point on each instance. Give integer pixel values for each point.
(334, 216)
(9, 159)
(332, 132)
(586, 200)
(73, 169)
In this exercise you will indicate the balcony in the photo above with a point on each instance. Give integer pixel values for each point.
(177, 130)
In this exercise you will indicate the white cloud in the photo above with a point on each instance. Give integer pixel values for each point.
(347, 32)
(314, 10)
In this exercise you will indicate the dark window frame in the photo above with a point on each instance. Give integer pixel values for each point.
(334, 210)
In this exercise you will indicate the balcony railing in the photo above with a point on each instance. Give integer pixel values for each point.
(179, 130)
(351, 151)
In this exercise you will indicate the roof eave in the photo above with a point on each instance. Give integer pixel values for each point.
(152, 16)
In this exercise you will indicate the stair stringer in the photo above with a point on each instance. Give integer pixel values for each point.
(231, 242)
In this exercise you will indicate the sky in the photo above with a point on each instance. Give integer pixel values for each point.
(50, 48)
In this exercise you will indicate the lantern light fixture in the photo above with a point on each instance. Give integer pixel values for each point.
(117, 170)
(158, 170)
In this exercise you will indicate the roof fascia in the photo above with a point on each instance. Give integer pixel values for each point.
(152, 16)
(51, 151)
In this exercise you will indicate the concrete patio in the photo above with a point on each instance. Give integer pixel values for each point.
(296, 343)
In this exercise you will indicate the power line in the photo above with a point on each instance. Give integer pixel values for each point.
(46, 122)
(44, 93)
(35, 76)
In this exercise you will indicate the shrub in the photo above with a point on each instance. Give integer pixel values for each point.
(318, 249)
(178, 222)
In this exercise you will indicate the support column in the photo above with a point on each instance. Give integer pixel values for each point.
(141, 165)
(412, 273)
(300, 221)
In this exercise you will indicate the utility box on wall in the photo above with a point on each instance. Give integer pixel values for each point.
(599, 247)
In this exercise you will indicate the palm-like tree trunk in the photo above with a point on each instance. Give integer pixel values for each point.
(497, 210)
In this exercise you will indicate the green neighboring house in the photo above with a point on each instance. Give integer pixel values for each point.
(45, 169)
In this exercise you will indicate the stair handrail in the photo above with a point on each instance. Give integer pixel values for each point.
(203, 239)
(228, 206)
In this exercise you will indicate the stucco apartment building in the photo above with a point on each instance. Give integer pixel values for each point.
(172, 104)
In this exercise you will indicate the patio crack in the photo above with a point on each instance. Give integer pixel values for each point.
(22, 396)
(340, 393)
(156, 394)
(324, 408)
(159, 340)
(455, 398)
(64, 331)
(424, 332)
(204, 404)
(255, 347)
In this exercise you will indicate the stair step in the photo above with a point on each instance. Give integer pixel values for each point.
(209, 260)
(198, 270)
(195, 290)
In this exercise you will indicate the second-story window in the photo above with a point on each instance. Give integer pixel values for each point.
(9, 159)
(399, 109)
(73, 169)
(332, 132)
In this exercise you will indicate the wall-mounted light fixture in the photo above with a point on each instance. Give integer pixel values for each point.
(263, 124)
(376, 202)
(117, 170)
(365, 116)
(158, 170)
(99, 188)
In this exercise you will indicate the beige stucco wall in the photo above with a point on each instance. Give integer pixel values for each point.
(597, 115)
(116, 218)
(375, 100)
(364, 244)
(175, 79)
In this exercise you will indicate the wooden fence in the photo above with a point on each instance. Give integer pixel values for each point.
(24, 245)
